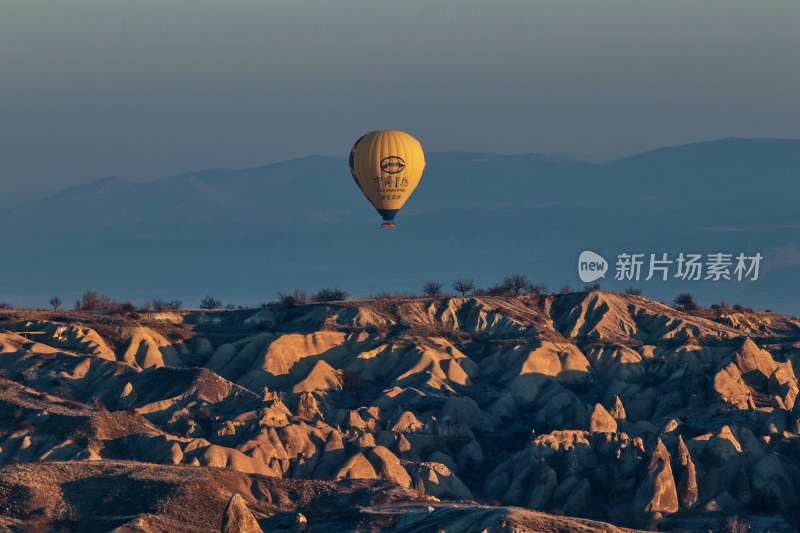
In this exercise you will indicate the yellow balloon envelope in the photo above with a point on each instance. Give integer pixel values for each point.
(387, 166)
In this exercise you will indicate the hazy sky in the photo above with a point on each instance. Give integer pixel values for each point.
(143, 89)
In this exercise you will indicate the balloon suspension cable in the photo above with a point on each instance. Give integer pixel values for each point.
(387, 224)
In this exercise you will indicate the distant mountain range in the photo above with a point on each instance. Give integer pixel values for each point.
(242, 235)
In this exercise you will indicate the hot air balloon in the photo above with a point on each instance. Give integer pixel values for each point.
(387, 166)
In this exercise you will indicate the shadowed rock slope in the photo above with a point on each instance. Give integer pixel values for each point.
(428, 414)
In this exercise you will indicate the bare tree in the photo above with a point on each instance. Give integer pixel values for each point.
(591, 288)
(463, 285)
(685, 301)
(517, 283)
(210, 303)
(290, 299)
(566, 289)
(174, 305)
(159, 305)
(55, 301)
(538, 289)
(92, 301)
(432, 288)
(633, 290)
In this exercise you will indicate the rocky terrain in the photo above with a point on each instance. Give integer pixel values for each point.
(565, 412)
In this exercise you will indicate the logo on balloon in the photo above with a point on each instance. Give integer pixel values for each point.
(591, 266)
(392, 164)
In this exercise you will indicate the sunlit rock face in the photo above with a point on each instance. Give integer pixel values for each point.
(595, 405)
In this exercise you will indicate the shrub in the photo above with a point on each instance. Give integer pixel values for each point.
(330, 295)
(110, 335)
(298, 297)
(128, 408)
(591, 288)
(566, 289)
(392, 296)
(210, 303)
(538, 289)
(497, 290)
(5, 305)
(127, 308)
(97, 404)
(733, 524)
(159, 305)
(64, 393)
(24, 425)
(634, 291)
(685, 301)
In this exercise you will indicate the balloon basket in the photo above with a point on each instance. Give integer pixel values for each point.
(388, 225)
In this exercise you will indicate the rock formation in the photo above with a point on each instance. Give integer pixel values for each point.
(237, 518)
(595, 404)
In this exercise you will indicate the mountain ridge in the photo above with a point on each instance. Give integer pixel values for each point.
(303, 221)
(726, 141)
